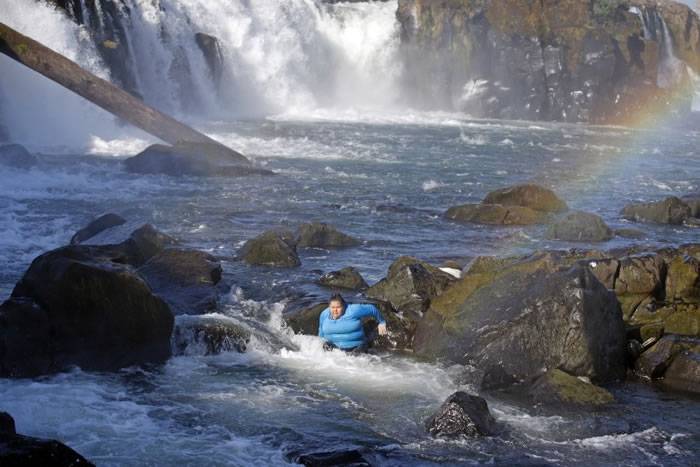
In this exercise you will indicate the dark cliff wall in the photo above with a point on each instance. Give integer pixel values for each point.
(569, 60)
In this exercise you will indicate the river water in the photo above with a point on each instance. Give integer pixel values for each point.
(345, 152)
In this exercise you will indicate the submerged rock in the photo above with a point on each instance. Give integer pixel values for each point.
(276, 248)
(185, 279)
(527, 195)
(671, 210)
(98, 225)
(17, 156)
(17, 450)
(352, 458)
(580, 227)
(198, 159)
(462, 414)
(496, 214)
(320, 235)
(556, 388)
(519, 321)
(347, 278)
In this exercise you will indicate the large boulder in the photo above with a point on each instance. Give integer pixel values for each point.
(496, 214)
(654, 362)
(17, 156)
(556, 388)
(347, 278)
(18, 451)
(75, 306)
(409, 286)
(512, 324)
(185, 279)
(671, 210)
(462, 414)
(198, 159)
(276, 248)
(320, 235)
(580, 227)
(102, 223)
(144, 243)
(208, 335)
(683, 374)
(527, 195)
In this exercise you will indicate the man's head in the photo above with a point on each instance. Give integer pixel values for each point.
(337, 306)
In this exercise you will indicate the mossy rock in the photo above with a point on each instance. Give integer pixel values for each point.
(580, 227)
(671, 210)
(320, 235)
(683, 279)
(274, 248)
(558, 388)
(531, 196)
(347, 278)
(682, 319)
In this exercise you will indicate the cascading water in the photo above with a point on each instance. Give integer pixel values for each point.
(290, 56)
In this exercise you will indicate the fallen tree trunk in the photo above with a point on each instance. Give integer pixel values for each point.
(98, 91)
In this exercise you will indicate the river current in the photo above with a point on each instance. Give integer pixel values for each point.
(385, 179)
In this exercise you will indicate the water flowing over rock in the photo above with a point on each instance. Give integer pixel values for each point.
(18, 450)
(98, 225)
(17, 156)
(580, 227)
(462, 414)
(208, 335)
(566, 60)
(275, 248)
(512, 324)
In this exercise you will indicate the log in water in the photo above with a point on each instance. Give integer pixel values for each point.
(97, 90)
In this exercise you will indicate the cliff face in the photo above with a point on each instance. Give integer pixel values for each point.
(569, 60)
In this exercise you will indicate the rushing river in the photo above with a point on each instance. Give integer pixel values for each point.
(385, 180)
(312, 92)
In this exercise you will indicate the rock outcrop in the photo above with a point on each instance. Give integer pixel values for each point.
(566, 60)
(276, 248)
(98, 225)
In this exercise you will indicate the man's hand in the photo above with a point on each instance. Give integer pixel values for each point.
(381, 329)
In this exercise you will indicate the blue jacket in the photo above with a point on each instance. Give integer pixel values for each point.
(346, 332)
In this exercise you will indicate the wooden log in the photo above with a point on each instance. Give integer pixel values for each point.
(114, 100)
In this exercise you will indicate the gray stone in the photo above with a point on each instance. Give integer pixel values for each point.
(275, 248)
(320, 235)
(668, 211)
(580, 227)
(347, 278)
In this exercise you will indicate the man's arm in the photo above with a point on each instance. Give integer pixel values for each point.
(367, 310)
(321, 318)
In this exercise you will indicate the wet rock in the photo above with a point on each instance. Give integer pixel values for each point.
(683, 374)
(143, 244)
(74, 306)
(197, 159)
(683, 279)
(320, 235)
(605, 270)
(693, 202)
(347, 278)
(410, 285)
(640, 278)
(580, 227)
(527, 195)
(98, 225)
(18, 450)
(185, 279)
(462, 414)
(556, 388)
(305, 320)
(654, 362)
(671, 210)
(522, 321)
(496, 214)
(275, 248)
(351, 458)
(680, 318)
(17, 156)
(208, 335)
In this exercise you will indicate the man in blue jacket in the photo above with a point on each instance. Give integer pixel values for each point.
(341, 324)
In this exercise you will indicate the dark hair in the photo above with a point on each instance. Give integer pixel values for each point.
(338, 298)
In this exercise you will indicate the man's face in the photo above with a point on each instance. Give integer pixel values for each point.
(336, 309)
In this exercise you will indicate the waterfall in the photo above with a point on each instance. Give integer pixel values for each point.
(670, 69)
(276, 56)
